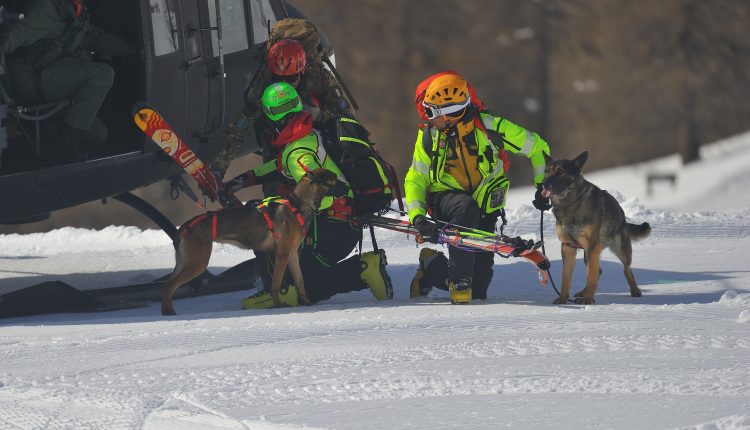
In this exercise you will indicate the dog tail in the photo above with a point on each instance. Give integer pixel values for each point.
(638, 232)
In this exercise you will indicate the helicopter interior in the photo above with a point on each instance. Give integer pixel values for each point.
(31, 130)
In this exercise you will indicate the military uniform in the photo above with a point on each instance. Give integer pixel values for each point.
(50, 59)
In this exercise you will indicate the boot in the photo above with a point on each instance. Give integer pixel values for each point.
(70, 146)
(264, 299)
(418, 287)
(460, 291)
(374, 274)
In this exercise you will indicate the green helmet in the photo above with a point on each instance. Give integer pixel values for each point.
(280, 99)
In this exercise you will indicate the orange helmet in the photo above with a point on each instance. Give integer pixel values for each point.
(286, 57)
(445, 95)
(447, 89)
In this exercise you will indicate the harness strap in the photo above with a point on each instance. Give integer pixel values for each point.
(263, 208)
(501, 148)
(200, 218)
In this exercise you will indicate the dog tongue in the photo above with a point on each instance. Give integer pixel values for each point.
(546, 193)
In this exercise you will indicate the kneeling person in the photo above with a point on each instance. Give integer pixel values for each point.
(330, 237)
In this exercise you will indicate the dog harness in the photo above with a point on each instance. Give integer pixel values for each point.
(263, 208)
(199, 218)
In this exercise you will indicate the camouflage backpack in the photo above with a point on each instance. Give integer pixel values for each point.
(302, 30)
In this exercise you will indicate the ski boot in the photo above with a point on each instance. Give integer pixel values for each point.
(460, 291)
(426, 256)
(374, 274)
(264, 300)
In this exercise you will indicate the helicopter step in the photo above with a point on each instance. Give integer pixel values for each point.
(59, 297)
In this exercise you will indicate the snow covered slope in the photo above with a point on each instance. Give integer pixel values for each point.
(675, 358)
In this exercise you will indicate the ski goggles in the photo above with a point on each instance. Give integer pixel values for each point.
(455, 109)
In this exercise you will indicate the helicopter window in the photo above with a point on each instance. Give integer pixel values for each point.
(262, 13)
(233, 26)
(164, 23)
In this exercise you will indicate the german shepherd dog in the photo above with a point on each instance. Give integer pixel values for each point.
(280, 229)
(591, 219)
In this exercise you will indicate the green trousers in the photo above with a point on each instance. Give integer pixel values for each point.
(84, 82)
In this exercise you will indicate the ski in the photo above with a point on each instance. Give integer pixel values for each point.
(475, 240)
(153, 124)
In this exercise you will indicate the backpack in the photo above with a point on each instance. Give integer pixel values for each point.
(302, 30)
(372, 179)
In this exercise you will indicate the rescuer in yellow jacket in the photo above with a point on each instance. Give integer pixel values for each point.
(458, 171)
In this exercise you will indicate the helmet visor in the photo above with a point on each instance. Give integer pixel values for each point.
(453, 109)
(274, 112)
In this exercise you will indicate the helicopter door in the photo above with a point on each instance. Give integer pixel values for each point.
(167, 79)
(227, 72)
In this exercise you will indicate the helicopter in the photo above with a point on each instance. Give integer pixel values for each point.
(197, 57)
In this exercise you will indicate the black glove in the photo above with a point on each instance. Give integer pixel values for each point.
(540, 202)
(427, 229)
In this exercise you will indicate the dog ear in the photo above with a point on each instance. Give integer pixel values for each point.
(579, 161)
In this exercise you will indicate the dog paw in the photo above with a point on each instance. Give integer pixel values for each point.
(304, 300)
(584, 300)
(636, 293)
(560, 300)
(168, 312)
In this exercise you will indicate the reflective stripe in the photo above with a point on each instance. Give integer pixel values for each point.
(415, 204)
(321, 152)
(420, 167)
(353, 139)
(538, 170)
(345, 119)
(488, 122)
(528, 144)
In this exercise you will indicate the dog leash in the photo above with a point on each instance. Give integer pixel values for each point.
(544, 251)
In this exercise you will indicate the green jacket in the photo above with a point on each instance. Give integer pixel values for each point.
(51, 30)
(428, 175)
(305, 155)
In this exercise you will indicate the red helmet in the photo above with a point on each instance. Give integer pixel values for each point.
(286, 57)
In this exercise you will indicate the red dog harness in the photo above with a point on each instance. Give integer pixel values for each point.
(263, 208)
(199, 218)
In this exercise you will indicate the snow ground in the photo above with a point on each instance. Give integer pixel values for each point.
(676, 358)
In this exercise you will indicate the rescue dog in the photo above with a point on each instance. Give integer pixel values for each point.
(591, 219)
(280, 229)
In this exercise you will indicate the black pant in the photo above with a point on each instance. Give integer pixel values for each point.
(85, 82)
(327, 243)
(458, 207)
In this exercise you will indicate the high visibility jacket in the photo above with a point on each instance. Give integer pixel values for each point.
(434, 150)
(307, 154)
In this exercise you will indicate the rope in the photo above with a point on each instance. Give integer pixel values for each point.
(544, 251)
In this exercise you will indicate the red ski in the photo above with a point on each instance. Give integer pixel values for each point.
(156, 127)
(501, 245)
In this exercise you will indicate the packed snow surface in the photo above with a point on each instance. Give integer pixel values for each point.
(676, 358)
